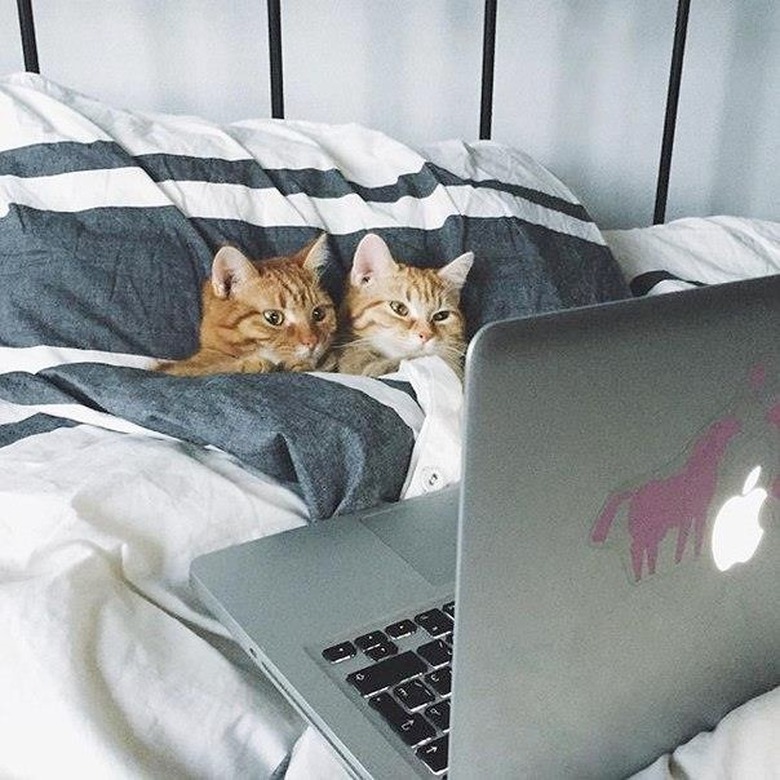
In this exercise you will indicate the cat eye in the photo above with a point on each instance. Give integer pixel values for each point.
(318, 314)
(273, 317)
(401, 309)
(440, 316)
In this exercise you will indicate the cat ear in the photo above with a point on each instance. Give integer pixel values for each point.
(316, 254)
(372, 259)
(230, 269)
(456, 271)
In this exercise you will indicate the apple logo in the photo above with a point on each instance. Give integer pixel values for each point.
(736, 533)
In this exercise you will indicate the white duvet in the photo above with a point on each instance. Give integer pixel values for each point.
(109, 666)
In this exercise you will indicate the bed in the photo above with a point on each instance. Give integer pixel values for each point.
(114, 477)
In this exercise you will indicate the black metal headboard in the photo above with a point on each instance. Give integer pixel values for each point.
(27, 29)
(30, 50)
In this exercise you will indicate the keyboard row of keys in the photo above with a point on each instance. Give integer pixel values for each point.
(376, 644)
(410, 687)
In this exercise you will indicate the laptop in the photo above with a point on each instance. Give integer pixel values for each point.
(600, 586)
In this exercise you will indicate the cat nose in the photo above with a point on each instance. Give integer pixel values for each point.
(306, 337)
(424, 334)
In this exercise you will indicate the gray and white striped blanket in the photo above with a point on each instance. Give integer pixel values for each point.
(109, 220)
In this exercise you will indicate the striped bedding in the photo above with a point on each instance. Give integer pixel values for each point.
(108, 223)
(113, 477)
(695, 251)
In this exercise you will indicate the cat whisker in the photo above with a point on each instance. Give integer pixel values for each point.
(356, 342)
(451, 350)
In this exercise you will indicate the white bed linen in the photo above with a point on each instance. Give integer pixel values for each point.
(708, 250)
(109, 665)
(743, 746)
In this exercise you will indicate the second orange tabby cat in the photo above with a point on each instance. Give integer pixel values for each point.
(392, 311)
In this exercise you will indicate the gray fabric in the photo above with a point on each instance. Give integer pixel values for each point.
(31, 426)
(342, 449)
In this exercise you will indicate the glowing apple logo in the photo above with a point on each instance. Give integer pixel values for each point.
(736, 533)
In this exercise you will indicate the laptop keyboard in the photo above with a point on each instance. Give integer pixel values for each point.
(410, 685)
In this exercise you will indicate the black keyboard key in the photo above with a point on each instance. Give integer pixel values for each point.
(440, 680)
(436, 653)
(413, 729)
(435, 754)
(371, 639)
(401, 628)
(435, 622)
(391, 671)
(449, 608)
(439, 715)
(383, 650)
(413, 694)
(340, 652)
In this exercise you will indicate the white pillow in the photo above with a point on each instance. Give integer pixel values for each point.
(695, 250)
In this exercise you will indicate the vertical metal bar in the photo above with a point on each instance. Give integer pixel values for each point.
(670, 118)
(488, 63)
(275, 55)
(27, 29)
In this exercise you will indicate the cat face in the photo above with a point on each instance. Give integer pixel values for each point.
(275, 310)
(401, 311)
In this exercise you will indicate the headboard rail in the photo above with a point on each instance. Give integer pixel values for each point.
(670, 115)
(27, 30)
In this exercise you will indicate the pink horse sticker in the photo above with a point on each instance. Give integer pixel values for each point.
(678, 502)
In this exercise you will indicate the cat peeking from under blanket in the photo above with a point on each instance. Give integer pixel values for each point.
(392, 311)
(257, 317)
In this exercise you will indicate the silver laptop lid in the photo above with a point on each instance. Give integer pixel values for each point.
(596, 628)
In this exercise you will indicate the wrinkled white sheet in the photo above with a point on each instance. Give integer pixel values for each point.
(109, 666)
(744, 745)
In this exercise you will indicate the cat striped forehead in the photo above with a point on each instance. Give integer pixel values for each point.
(374, 262)
(421, 288)
(287, 284)
(291, 279)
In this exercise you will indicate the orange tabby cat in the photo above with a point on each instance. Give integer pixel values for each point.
(393, 311)
(263, 316)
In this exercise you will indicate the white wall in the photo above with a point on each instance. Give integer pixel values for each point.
(580, 84)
